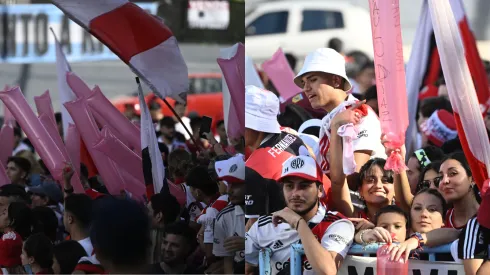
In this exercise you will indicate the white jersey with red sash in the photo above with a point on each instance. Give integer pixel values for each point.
(332, 230)
(368, 138)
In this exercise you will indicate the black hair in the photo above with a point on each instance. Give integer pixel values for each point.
(58, 117)
(432, 152)
(44, 221)
(371, 93)
(17, 132)
(219, 122)
(196, 122)
(461, 158)
(68, 253)
(120, 231)
(167, 122)
(436, 165)
(80, 206)
(451, 146)
(336, 44)
(293, 116)
(367, 65)
(312, 130)
(370, 164)
(179, 162)
(436, 194)
(21, 162)
(40, 248)
(183, 229)
(291, 61)
(154, 105)
(179, 103)
(83, 170)
(429, 105)
(20, 216)
(166, 204)
(393, 209)
(17, 192)
(199, 178)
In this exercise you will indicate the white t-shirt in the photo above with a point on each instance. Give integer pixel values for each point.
(87, 245)
(180, 128)
(229, 222)
(208, 216)
(368, 138)
(337, 236)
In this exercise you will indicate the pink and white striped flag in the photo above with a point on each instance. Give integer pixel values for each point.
(140, 39)
(461, 90)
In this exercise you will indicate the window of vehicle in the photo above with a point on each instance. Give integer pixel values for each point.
(321, 20)
(269, 23)
(204, 85)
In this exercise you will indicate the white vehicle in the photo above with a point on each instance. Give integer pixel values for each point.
(299, 27)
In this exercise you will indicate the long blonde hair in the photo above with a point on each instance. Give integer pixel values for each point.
(35, 166)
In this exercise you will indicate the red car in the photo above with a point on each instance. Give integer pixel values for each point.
(204, 97)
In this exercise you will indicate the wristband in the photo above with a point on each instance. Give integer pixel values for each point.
(362, 234)
(297, 223)
(419, 238)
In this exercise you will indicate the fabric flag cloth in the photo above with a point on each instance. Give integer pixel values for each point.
(424, 67)
(157, 183)
(140, 39)
(8, 118)
(7, 143)
(233, 68)
(251, 75)
(390, 78)
(461, 90)
(280, 73)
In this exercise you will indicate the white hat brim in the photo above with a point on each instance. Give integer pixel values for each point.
(263, 125)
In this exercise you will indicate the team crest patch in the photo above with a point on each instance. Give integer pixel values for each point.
(297, 98)
(297, 163)
(233, 168)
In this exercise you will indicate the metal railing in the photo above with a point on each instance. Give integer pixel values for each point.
(297, 252)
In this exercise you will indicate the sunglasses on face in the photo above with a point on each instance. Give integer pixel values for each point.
(426, 183)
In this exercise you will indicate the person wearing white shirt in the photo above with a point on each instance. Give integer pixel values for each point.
(76, 219)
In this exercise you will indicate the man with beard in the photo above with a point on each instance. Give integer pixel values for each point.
(178, 244)
(326, 236)
(271, 145)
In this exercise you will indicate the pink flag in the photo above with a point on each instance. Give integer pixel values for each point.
(8, 118)
(278, 70)
(44, 106)
(390, 77)
(233, 69)
(7, 143)
(64, 91)
(140, 39)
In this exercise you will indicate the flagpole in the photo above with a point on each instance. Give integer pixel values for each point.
(175, 114)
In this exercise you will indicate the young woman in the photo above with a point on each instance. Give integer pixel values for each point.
(430, 177)
(38, 253)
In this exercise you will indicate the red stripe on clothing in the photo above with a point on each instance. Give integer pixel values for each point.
(90, 268)
(129, 30)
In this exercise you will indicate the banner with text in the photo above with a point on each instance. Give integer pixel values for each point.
(356, 265)
(25, 36)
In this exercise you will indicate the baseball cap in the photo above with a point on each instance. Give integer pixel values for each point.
(303, 167)
(10, 249)
(261, 110)
(232, 169)
(48, 189)
(327, 61)
(440, 127)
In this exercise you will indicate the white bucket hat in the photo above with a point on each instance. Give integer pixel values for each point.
(327, 61)
(261, 110)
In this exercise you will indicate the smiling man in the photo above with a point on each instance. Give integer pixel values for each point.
(326, 236)
(324, 82)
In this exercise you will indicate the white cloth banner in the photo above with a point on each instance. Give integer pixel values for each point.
(356, 265)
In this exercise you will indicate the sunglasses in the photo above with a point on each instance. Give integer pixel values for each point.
(426, 183)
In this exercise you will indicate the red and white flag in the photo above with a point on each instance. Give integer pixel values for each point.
(464, 100)
(65, 92)
(424, 66)
(140, 39)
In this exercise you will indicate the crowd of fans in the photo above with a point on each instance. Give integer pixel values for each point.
(309, 181)
(47, 228)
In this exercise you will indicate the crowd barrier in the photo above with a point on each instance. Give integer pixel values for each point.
(297, 252)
